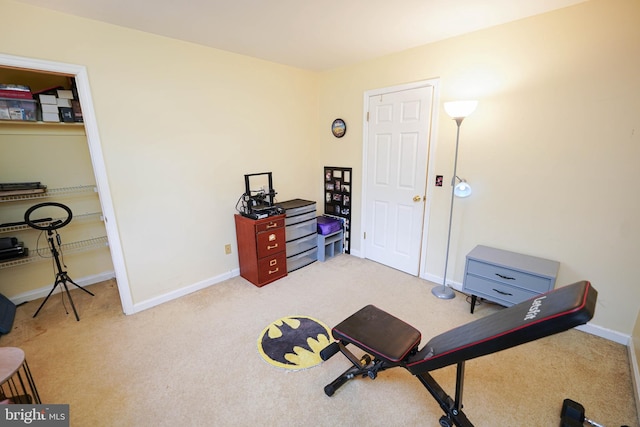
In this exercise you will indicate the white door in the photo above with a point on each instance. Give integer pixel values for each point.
(396, 171)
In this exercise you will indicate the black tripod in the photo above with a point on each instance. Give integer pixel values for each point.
(61, 276)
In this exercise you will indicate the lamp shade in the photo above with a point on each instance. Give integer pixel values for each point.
(463, 189)
(460, 109)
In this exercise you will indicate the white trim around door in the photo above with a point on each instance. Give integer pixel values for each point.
(97, 160)
(430, 176)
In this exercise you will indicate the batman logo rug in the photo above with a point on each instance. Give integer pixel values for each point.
(294, 342)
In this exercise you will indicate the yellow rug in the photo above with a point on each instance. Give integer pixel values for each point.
(294, 342)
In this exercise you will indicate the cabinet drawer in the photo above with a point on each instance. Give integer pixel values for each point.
(510, 277)
(290, 220)
(272, 267)
(302, 229)
(269, 224)
(270, 242)
(298, 207)
(298, 261)
(297, 246)
(494, 291)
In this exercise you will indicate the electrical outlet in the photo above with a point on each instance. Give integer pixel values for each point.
(227, 249)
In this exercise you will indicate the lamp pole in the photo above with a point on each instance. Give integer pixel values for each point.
(444, 292)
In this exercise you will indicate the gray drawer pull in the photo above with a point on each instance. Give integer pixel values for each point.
(505, 277)
(502, 292)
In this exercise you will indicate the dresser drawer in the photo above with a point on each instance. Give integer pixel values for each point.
(301, 210)
(269, 224)
(302, 244)
(297, 206)
(270, 242)
(298, 261)
(272, 267)
(495, 291)
(509, 277)
(302, 229)
(290, 220)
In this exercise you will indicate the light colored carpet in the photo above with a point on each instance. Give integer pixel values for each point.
(194, 362)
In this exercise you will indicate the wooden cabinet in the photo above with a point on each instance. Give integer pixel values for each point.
(506, 278)
(261, 248)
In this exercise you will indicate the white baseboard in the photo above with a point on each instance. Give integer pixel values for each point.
(601, 332)
(438, 280)
(43, 292)
(144, 305)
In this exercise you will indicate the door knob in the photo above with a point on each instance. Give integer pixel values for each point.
(417, 198)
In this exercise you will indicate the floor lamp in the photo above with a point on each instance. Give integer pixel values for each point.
(458, 110)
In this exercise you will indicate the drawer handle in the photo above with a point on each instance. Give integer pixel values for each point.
(273, 262)
(272, 225)
(505, 277)
(272, 247)
(502, 292)
(274, 271)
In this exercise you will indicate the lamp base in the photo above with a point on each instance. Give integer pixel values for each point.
(443, 292)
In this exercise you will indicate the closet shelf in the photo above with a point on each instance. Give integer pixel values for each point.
(51, 193)
(91, 216)
(21, 128)
(40, 123)
(41, 254)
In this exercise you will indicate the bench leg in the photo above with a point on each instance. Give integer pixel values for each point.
(363, 367)
(452, 409)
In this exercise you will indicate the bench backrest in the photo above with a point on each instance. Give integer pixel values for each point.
(547, 314)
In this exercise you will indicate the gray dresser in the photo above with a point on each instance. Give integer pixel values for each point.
(506, 278)
(301, 230)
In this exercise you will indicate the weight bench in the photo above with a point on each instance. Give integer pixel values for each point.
(389, 342)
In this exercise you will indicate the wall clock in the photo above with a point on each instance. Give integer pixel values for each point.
(338, 128)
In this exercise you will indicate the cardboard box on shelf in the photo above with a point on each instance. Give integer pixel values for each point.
(50, 117)
(65, 94)
(48, 99)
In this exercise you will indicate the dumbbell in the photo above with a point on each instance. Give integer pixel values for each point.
(572, 415)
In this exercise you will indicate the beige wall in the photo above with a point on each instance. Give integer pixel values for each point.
(553, 139)
(180, 125)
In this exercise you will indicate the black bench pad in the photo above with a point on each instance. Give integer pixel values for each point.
(379, 333)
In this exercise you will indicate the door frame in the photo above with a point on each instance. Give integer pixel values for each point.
(430, 178)
(97, 160)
